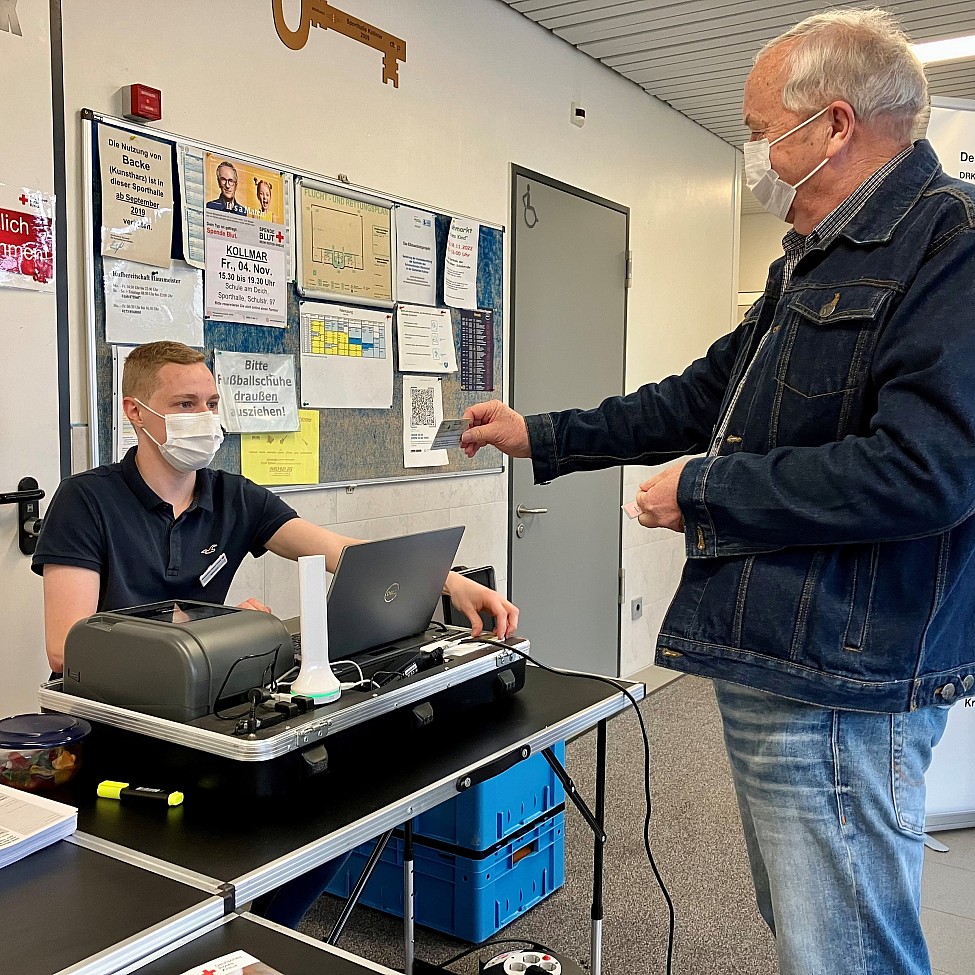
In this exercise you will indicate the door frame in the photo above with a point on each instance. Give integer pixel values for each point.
(516, 214)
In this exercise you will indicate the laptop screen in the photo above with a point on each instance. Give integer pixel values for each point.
(387, 590)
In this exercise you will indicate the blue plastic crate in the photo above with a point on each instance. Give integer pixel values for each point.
(465, 897)
(488, 813)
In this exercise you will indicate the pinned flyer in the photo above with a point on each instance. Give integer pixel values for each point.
(422, 416)
(425, 337)
(258, 393)
(416, 256)
(460, 264)
(137, 197)
(148, 304)
(26, 238)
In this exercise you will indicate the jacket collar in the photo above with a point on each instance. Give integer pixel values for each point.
(877, 220)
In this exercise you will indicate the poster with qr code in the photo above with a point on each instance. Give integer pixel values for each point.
(422, 415)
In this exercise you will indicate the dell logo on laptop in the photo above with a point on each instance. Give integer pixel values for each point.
(391, 593)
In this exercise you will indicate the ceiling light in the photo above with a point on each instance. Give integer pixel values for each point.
(950, 49)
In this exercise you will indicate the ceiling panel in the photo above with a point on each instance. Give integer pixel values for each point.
(695, 54)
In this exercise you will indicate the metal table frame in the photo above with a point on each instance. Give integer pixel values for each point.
(238, 891)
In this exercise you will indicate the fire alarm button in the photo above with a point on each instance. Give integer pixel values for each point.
(144, 103)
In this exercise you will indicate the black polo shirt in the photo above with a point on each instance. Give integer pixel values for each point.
(109, 520)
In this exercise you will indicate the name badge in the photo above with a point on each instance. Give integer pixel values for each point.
(214, 569)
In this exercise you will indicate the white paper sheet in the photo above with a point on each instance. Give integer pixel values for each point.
(123, 433)
(246, 270)
(460, 264)
(258, 392)
(147, 304)
(425, 338)
(422, 415)
(29, 822)
(416, 256)
(346, 356)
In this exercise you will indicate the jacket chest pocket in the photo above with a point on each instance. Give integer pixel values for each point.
(830, 334)
(830, 337)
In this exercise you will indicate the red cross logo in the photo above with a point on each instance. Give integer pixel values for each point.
(23, 199)
(280, 236)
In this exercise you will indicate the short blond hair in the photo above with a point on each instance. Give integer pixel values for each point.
(140, 375)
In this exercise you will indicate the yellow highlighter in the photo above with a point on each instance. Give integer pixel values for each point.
(124, 792)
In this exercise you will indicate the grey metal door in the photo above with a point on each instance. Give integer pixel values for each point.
(569, 254)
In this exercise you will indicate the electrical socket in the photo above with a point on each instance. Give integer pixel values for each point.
(636, 607)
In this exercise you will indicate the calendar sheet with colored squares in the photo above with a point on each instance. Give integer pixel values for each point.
(346, 357)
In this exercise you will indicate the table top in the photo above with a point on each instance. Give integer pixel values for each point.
(277, 948)
(258, 845)
(70, 904)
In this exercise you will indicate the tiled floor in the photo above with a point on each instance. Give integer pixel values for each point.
(948, 884)
(948, 903)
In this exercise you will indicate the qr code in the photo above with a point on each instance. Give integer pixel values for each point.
(423, 406)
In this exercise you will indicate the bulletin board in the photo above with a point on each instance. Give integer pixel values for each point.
(356, 445)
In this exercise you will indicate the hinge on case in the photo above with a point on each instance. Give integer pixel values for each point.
(620, 596)
(629, 268)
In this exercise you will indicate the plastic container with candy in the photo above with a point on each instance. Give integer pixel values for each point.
(40, 751)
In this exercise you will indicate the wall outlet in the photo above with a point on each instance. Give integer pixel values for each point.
(636, 607)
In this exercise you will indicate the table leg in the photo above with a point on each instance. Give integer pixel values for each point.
(598, 849)
(374, 858)
(408, 897)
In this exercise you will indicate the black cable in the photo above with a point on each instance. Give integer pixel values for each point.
(646, 779)
(251, 656)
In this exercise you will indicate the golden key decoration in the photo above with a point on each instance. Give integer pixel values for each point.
(318, 13)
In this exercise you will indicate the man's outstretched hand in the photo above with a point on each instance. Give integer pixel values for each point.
(496, 424)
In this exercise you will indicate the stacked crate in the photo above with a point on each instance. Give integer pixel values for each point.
(480, 860)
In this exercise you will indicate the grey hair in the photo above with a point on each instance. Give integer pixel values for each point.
(863, 57)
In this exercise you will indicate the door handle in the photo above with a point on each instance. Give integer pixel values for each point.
(521, 511)
(28, 523)
(17, 497)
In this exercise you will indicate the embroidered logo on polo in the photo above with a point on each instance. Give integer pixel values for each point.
(210, 550)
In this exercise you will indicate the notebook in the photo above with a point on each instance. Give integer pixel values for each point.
(387, 590)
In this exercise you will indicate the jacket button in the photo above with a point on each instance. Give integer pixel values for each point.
(731, 438)
(947, 692)
(967, 683)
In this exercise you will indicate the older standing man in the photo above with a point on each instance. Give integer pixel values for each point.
(829, 525)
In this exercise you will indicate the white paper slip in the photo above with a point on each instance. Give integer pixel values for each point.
(449, 433)
(29, 822)
(631, 509)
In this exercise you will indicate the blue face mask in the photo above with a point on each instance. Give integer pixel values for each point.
(192, 439)
(773, 193)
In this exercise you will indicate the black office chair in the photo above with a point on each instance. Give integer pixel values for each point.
(485, 576)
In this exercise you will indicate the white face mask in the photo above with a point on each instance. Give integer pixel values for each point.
(773, 193)
(192, 439)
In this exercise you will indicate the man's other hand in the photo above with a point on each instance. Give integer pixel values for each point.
(471, 598)
(252, 603)
(657, 500)
(496, 424)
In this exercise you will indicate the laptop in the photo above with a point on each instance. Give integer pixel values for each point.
(385, 591)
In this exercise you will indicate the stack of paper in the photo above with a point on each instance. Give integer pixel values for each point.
(29, 823)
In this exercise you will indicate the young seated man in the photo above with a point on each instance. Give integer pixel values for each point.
(161, 525)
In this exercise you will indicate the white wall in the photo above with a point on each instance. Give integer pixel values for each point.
(482, 88)
(28, 336)
(761, 243)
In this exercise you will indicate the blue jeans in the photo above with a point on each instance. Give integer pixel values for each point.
(288, 903)
(832, 803)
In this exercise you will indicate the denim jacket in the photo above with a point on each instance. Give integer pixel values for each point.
(830, 536)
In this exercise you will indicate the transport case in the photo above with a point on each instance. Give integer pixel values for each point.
(216, 754)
